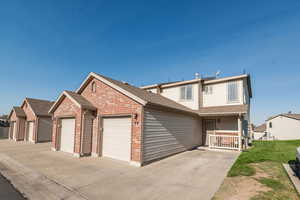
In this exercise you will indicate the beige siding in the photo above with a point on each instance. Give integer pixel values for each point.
(284, 128)
(229, 123)
(44, 129)
(167, 133)
(174, 94)
(219, 95)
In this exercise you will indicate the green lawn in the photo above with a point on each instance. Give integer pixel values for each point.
(274, 151)
(258, 173)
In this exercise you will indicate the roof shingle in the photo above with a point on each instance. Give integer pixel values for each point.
(40, 107)
(149, 97)
(215, 110)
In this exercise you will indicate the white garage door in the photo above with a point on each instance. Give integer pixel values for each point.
(15, 130)
(30, 131)
(67, 135)
(117, 138)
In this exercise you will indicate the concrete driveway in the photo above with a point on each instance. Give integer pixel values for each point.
(193, 174)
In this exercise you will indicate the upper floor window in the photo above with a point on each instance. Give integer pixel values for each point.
(233, 92)
(186, 92)
(208, 89)
(93, 87)
(270, 125)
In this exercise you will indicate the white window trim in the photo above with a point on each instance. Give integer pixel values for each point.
(192, 96)
(208, 92)
(238, 93)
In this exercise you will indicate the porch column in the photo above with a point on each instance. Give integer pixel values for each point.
(240, 130)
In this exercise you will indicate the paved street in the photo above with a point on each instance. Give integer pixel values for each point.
(44, 174)
(7, 191)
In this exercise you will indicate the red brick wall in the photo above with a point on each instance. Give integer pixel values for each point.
(20, 125)
(29, 114)
(67, 109)
(30, 117)
(13, 116)
(109, 101)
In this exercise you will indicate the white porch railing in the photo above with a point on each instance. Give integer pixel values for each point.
(224, 142)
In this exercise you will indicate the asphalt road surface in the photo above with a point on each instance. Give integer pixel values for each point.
(7, 191)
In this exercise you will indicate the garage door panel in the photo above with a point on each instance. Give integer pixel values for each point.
(67, 135)
(117, 138)
(30, 131)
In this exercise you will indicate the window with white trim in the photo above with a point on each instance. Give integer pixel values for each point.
(208, 89)
(233, 92)
(186, 92)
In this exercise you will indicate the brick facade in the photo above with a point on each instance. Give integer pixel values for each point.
(20, 125)
(30, 117)
(109, 101)
(67, 109)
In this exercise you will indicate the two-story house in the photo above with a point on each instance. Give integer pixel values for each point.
(109, 118)
(222, 103)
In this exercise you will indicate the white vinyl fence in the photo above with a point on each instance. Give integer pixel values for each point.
(225, 142)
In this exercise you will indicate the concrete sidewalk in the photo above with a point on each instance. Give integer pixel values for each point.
(190, 175)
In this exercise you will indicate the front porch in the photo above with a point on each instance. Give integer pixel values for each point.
(224, 132)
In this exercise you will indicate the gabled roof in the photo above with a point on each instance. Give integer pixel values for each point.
(139, 95)
(78, 100)
(223, 110)
(292, 116)
(19, 112)
(39, 107)
(260, 128)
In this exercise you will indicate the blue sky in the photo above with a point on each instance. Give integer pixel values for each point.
(50, 46)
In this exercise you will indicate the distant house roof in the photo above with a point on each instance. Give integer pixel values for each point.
(223, 110)
(78, 99)
(141, 96)
(39, 107)
(260, 128)
(19, 112)
(292, 116)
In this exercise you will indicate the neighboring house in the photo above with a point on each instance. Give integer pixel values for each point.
(109, 118)
(259, 132)
(283, 127)
(31, 122)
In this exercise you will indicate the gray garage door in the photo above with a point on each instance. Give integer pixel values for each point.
(67, 135)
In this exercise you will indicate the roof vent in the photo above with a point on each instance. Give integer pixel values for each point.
(197, 75)
(125, 82)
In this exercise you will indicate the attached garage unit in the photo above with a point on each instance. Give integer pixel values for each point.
(67, 135)
(17, 118)
(123, 122)
(117, 138)
(31, 127)
(167, 133)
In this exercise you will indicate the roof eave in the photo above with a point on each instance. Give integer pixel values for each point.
(123, 91)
